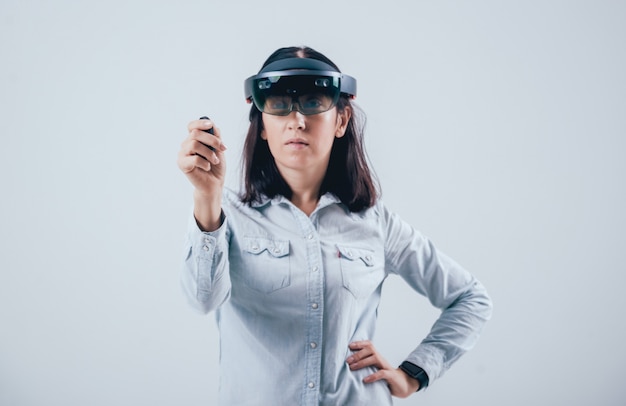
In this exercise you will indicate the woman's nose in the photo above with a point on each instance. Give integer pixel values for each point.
(296, 120)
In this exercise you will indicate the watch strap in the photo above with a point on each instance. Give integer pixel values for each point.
(415, 372)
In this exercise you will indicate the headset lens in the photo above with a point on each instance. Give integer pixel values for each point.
(307, 94)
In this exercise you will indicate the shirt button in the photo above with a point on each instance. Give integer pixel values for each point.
(369, 258)
(310, 236)
(276, 250)
(313, 345)
(255, 247)
(311, 385)
(314, 305)
(315, 269)
(206, 240)
(205, 248)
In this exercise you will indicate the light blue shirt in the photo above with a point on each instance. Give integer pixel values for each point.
(291, 291)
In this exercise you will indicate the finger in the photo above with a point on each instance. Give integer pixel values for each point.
(370, 361)
(188, 163)
(198, 129)
(205, 151)
(204, 127)
(202, 124)
(189, 159)
(359, 345)
(360, 353)
(210, 140)
(379, 375)
(396, 381)
(367, 355)
(195, 147)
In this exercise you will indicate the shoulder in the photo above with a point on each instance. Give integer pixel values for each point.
(234, 207)
(230, 198)
(389, 220)
(378, 211)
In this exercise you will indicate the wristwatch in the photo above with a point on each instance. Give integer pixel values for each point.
(415, 372)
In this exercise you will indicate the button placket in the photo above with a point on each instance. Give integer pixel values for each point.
(314, 302)
(315, 298)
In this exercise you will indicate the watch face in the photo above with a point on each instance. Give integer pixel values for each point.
(415, 372)
(411, 369)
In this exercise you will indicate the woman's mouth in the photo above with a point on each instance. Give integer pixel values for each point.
(297, 142)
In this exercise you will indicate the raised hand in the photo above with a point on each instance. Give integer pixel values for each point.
(201, 158)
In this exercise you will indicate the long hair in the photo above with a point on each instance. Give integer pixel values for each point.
(348, 175)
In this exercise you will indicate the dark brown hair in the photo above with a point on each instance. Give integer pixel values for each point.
(348, 175)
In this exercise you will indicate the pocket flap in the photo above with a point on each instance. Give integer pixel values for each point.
(276, 248)
(352, 254)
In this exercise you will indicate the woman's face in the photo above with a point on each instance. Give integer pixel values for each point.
(303, 143)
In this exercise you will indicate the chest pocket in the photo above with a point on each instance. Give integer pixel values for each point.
(360, 273)
(266, 264)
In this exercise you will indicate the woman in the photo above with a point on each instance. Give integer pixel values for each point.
(294, 266)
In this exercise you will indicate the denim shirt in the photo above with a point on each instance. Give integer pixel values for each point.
(291, 291)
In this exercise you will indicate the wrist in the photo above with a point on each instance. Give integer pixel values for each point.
(413, 384)
(416, 373)
(208, 210)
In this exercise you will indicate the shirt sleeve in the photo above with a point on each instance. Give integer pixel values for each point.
(464, 302)
(205, 278)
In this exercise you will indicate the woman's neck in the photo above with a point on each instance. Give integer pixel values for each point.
(305, 189)
(307, 201)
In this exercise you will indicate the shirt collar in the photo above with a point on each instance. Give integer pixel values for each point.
(326, 200)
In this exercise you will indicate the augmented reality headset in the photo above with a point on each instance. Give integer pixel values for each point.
(307, 85)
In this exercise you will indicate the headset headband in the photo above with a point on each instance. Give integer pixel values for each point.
(298, 63)
(301, 67)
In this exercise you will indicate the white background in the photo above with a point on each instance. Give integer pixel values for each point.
(497, 128)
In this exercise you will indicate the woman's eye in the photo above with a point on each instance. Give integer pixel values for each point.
(312, 102)
(277, 103)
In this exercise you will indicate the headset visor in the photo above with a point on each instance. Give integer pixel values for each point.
(296, 90)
